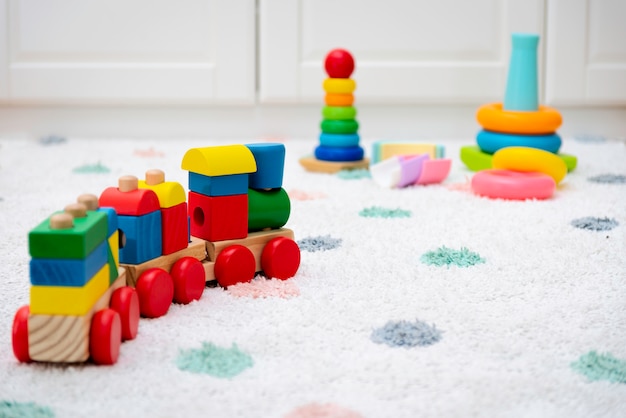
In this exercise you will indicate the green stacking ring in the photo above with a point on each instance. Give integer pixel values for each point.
(348, 126)
(339, 112)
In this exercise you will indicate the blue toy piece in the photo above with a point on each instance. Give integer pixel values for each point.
(339, 140)
(490, 142)
(111, 220)
(227, 185)
(68, 272)
(142, 237)
(326, 153)
(521, 86)
(270, 163)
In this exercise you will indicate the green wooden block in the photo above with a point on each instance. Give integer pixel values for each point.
(113, 273)
(76, 242)
(267, 209)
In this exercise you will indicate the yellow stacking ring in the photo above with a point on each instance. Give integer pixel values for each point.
(333, 99)
(339, 85)
(493, 117)
(527, 159)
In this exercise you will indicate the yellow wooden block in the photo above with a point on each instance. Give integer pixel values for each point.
(114, 243)
(394, 149)
(67, 300)
(65, 338)
(170, 193)
(220, 160)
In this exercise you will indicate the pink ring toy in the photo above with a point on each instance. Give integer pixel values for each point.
(513, 185)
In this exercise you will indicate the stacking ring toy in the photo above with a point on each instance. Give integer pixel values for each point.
(490, 142)
(330, 126)
(512, 185)
(493, 117)
(337, 154)
(339, 85)
(334, 99)
(339, 140)
(339, 112)
(530, 159)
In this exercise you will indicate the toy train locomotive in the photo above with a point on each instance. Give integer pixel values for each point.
(105, 261)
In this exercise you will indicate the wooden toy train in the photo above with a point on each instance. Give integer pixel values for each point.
(103, 262)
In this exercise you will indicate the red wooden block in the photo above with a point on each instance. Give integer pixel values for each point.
(280, 258)
(155, 289)
(175, 227)
(234, 264)
(189, 280)
(135, 203)
(125, 302)
(105, 337)
(218, 218)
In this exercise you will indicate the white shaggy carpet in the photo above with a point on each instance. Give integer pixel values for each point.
(511, 327)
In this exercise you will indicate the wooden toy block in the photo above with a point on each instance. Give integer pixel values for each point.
(314, 165)
(114, 247)
(268, 209)
(216, 218)
(339, 154)
(174, 228)
(270, 161)
(70, 238)
(255, 242)
(339, 127)
(219, 160)
(65, 300)
(142, 237)
(112, 261)
(195, 249)
(386, 149)
(169, 193)
(218, 185)
(129, 199)
(111, 220)
(65, 338)
(68, 272)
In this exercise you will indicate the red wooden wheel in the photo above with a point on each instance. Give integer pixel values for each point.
(280, 258)
(20, 334)
(125, 302)
(105, 337)
(233, 265)
(156, 292)
(189, 280)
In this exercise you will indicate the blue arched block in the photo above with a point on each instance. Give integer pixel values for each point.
(270, 163)
(325, 153)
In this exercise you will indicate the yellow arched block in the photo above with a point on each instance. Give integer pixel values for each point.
(339, 85)
(220, 160)
(67, 300)
(170, 193)
(530, 159)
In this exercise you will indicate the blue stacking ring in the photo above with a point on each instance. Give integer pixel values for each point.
(339, 140)
(490, 142)
(326, 153)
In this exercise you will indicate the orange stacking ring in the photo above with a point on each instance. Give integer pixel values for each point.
(336, 99)
(492, 117)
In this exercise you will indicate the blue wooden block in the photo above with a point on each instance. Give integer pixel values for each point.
(142, 237)
(68, 272)
(111, 220)
(228, 185)
(270, 164)
(325, 153)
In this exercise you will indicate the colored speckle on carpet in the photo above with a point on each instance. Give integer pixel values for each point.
(24, 410)
(608, 179)
(354, 174)
(601, 367)
(97, 168)
(591, 139)
(595, 224)
(52, 140)
(261, 287)
(444, 256)
(215, 361)
(380, 212)
(327, 410)
(406, 334)
(297, 194)
(319, 243)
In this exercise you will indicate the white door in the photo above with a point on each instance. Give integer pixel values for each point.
(121, 51)
(586, 52)
(406, 51)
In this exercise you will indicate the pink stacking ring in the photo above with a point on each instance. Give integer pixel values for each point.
(513, 185)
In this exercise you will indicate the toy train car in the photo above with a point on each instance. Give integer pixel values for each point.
(105, 261)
